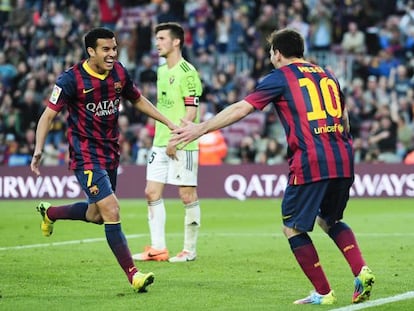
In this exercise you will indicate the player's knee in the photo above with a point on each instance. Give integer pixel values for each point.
(151, 194)
(323, 224)
(290, 232)
(96, 219)
(286, 231)
(93, 215)
(188, 197)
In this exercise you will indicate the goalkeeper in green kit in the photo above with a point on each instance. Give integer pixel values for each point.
(178, 91)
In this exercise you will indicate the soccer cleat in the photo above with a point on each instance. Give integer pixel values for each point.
(363, 285)
(47, 224)
(318, 299)
(183, 256)
(140, 281)
(152, 254)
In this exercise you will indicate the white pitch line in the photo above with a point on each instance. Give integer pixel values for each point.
(228, 234)
(377, 302)
(65, 243)
(131, 236)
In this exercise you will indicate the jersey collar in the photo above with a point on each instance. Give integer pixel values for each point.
(91, 72)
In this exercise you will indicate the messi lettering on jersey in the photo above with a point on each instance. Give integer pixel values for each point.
(310, 106)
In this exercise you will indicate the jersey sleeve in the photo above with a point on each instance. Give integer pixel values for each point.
(267, 91)
(62, 91)
(130, 90)
(191, 88)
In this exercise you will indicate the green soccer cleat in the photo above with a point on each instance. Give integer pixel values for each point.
(363, 285)
(318, 299)
(47, 224)
(140, 281)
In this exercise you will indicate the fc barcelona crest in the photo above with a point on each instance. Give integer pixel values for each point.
(118, 87)
(94, 190)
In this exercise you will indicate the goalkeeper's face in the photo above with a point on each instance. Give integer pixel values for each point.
(164, 43)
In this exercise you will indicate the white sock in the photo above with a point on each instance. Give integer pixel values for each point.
(191, 225)
(156, 221)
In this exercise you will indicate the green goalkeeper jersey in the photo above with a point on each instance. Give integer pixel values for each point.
(177, 88)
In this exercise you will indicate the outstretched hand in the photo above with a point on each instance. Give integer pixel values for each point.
(172, 126)
(185, 134)
(34, 165)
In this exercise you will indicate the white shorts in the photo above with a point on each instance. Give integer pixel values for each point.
(182, 172)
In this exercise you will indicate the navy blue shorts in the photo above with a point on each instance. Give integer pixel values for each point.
(326, 199)
(97, 184)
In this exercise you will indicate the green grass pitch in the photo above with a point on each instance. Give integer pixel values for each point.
(244, 262)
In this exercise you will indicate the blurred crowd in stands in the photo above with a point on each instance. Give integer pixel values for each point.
(369, 44)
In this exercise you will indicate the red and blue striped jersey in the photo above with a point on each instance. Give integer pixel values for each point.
(310, 104)
(93, 101)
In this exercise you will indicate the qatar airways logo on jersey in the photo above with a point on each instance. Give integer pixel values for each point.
(104, 107)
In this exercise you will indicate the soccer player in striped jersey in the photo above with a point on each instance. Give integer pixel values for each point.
(178, 91)
(91, 93)
(310, 104)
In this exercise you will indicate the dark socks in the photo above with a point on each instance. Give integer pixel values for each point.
(75, 211)
(119, 246)
(344, 238)
(308, 259)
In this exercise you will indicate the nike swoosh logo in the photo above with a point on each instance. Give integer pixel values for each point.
(131, 269)
(85, 91)
(156, 254)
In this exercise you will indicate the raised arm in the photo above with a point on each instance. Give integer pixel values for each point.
(144, 105)
(230, 115)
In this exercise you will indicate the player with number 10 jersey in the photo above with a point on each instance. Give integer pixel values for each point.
(309, 106)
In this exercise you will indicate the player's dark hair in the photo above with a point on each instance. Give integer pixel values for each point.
(176, 31)
(92, 37)
(289, 42)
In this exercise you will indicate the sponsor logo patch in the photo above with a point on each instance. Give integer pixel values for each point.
(55, 94)
(85, 91)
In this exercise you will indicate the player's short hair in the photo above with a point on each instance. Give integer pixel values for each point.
(92, 37)
(289, 42)
(176, 31)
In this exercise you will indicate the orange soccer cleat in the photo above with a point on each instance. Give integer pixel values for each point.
(152, 254)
